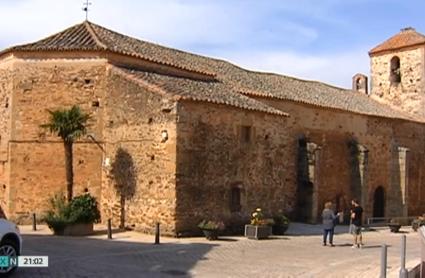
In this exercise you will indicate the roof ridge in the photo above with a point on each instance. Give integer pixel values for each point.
(310, 81)
(92, 32)
(153, 44)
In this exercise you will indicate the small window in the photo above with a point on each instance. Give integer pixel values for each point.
(246, 134)
(359, 84)
(395, 74)
(235, 199)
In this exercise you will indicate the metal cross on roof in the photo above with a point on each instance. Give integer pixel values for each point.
(86, 8)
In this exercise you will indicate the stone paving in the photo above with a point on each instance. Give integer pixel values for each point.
(299, 254)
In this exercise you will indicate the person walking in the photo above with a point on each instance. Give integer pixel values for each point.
(356, 220)
(328, 220)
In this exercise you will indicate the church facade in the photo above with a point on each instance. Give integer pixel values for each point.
(176, 137)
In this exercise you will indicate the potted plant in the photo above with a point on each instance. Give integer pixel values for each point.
(394, 226)
(73, 218)
(281, 223)
(259, 228)
(418, 222)
(211, 228)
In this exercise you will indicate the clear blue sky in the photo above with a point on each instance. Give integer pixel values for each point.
(324, 40)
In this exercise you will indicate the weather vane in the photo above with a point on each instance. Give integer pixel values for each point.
(86, 8)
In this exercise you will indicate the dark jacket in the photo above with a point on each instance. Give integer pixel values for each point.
(328, 219)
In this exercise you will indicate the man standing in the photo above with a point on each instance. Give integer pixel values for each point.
(356, 220)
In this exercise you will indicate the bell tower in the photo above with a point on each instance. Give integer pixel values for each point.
(398, 72)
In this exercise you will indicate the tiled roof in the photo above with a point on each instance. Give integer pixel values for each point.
(314, 93)
(407, 37)
(188, 89)
(89, 36)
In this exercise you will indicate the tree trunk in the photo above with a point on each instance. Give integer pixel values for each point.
(69, 169)
(122, 214)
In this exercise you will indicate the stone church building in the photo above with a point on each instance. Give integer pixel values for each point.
(176, 137)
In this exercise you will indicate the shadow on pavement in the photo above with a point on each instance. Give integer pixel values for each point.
(226, 239)
(105, 231)
(373, 246)
(273, 237)
(303, 229)
(89, 257)
(343, 245)
(402, 232)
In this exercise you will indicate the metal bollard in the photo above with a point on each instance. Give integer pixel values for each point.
(403, 270)
(34, 224)
(109, 229)
(383, 261)
(157, 233)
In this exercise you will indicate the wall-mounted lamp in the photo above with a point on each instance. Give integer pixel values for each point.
(106, 162)
(164, 136)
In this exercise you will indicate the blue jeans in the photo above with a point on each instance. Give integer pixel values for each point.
(331, 235)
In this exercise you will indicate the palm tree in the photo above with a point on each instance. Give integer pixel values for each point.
(69, 125)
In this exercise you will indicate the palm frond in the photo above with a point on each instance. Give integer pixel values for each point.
(69, 124)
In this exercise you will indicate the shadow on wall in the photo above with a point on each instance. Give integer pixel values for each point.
(355, 171)
(304, 184)
(398, 183)
(124, 173)
(2, 214)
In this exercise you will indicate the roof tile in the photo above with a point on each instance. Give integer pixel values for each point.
(189, 89)
(407, 37)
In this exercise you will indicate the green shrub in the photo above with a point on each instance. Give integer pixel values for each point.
(57, 217)
(211, 225)
(418, 222)
(81, 209)
(280, 219)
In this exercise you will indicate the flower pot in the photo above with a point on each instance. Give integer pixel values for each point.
(210, 234)
(394, 228)
(79, 229)
(258, 232)
(416, 224)
(279, 229)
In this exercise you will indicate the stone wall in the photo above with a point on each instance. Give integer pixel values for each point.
(408, 135)
(6, 87)
(409, 93)
(138, 187)
(215, 156)
(37, 167)
(38, 172)
(345, 173)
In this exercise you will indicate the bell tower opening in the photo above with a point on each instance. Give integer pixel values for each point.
(360, 83)
(395, 75)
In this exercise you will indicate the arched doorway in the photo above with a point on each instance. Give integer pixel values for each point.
(305, 202)
(379, 202)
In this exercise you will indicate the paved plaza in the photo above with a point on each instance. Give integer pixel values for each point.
(299, 254)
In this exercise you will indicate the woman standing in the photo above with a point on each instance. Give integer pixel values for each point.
(328, 220)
